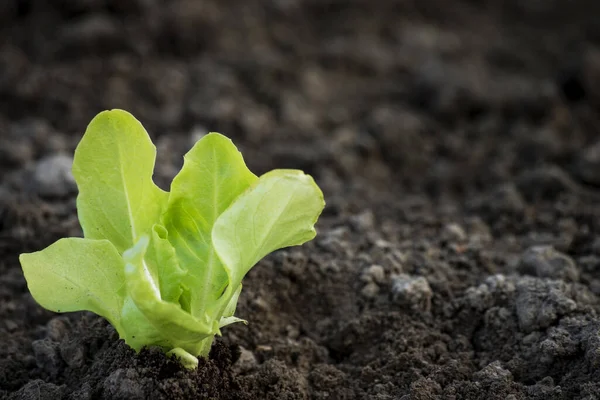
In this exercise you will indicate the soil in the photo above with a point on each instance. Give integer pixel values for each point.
(458, 147)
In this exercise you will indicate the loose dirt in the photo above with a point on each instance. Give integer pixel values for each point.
(458, 147)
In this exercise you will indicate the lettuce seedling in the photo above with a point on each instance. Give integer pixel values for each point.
(166, 268)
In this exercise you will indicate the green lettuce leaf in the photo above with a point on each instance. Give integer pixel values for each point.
(213, 176)
(278, 211)
(113, 166)
(76, 274)
(163, 265)
(166, 269)
(177, 328)
(228, 318)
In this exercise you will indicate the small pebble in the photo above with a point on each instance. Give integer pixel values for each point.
(52, 176)
(588, 165)
(124, 384)
(46, 356)
(547, 262)
(37, 389)
(414, 292)
(197, 133)
(246, 363)
(56, 329)
(455, 232)
(506, 198)
(73, 353)
(363, 221)
(375, 273)
(493, 372)
(541, 302)
(370, 290)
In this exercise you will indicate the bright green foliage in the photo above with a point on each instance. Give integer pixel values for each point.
(113, 168)
(166, 268)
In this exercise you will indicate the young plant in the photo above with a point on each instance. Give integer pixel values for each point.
(166, 268)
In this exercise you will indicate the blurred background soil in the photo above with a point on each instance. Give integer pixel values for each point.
(458, 147)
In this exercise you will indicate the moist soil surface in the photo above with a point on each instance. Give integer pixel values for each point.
(458, 147)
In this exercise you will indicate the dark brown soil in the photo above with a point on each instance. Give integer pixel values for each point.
(458, 146)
